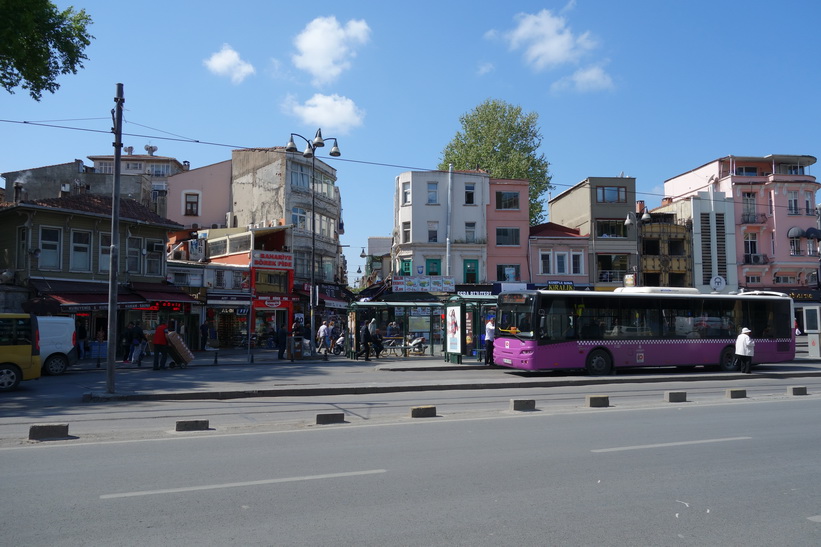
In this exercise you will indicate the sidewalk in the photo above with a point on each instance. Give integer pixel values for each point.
(230, 374)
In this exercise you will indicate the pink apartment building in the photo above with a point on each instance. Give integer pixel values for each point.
(508, 227)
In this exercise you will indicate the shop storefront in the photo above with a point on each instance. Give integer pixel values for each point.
(227, 314)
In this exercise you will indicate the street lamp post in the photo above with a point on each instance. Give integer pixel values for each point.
(310, 152)
(633, 219)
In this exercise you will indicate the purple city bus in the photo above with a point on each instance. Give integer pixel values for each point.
(638, 327)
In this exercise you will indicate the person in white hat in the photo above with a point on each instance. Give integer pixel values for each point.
(744, 349)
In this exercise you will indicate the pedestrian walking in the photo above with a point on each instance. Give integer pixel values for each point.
(160, 346)
(744, 350)
(323, 338)
(204, 335)
(364, 342)
(82, 336)
(490, 336)
(125, 342)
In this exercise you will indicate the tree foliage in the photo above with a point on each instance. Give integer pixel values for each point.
(502, 140)
(38, 43)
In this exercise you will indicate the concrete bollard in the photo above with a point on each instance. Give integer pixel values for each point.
(423, 411)
(192, 425)
(797, 390)
(522, 405)
(675, 396)
(597, 401)
(330, 418)
(45, 432)
(736, 393)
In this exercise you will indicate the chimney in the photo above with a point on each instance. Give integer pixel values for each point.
(18, 191)
(666, 201)
(639, 205)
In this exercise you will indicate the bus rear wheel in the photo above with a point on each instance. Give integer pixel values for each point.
(599, 363)
(727, 360)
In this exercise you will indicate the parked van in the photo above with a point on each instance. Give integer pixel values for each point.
(19, 349)
(58, 343)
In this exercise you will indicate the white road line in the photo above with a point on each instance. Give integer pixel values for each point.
(664, 445)
(239, 484)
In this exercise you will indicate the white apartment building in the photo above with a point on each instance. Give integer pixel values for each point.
(440, 224)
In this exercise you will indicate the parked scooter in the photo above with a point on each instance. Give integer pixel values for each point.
(339, 345)
(417, 346)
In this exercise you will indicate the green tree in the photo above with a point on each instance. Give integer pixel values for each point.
(38, 43)
(502, 140)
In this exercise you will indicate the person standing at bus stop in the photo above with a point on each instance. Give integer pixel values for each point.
(490, 336)
(744, 350)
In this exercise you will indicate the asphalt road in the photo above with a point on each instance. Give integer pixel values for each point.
(741, 472)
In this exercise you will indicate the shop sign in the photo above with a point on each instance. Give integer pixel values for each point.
(560, 286)
(265, 259)
(423, 283)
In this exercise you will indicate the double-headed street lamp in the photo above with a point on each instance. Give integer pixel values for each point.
(310, 152)
(634, 219)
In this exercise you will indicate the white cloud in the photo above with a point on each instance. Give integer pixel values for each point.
(333, 113)
(485, 68)
(593, 78)
(227, 62)
(325, 48)
(547, 41)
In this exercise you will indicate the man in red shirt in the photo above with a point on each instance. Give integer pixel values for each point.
(160, 345)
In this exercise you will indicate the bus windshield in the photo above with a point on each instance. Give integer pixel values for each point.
(517, 317)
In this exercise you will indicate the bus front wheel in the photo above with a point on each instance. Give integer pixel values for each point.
(727, 361)
(599, 363)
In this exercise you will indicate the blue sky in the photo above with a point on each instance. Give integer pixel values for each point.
(648, 88)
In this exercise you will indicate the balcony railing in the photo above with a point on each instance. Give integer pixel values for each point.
(793, 211)
(612, 276)
(756, 259)
(753, 218)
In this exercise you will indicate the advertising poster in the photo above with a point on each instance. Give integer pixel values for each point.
(454, 329)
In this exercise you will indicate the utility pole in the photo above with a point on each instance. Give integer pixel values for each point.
(111, 357)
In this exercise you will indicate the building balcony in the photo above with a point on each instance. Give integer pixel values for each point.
(756, 259)
(753, 218)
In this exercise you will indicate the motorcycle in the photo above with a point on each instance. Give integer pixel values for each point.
(417, 346)
(339, 345)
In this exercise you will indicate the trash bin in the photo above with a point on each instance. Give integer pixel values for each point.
(294, 347)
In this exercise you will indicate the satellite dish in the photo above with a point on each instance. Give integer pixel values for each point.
(718, 283)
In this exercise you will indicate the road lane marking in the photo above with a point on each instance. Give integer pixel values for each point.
(239, 484)
(665, 445)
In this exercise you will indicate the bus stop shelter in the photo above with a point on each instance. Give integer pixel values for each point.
(465, 326)
(400, 323)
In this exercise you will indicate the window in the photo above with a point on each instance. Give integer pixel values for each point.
(433, 232)
(219, 279)
(300, 177)
(470, 232)
(433, 266)
(507, 200)
(299, 218)
(217, 247)
(105, 167)
(544, 261)
(80, 251)
(153, 259)
(104, 264)
(301, 260)
(134, 165)
(405, 266)
(795, 246)
(433, 193)
(180, 279)
(808, 207)
(795, 170)
(576, 263)
(611, 194)
(784, 280)
(406, 193)
(192, 205)
(134, 255)
(406, 234)
(676, 247)
(22, 248)
(561, 263)
(159, 169)
(651, 247)
(753, 279)
(611, 268)
(507, 272)
(507, 236)
(611, 228)
(470, 189)
(51, 248)
(471, 271)
(750, 243)
(792, 203)
(746, 171)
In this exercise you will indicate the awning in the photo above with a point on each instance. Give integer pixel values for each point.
(795, 231)
(334, 303)
(91, 302)
(812, 233)
(73, 296)
(155, 292)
